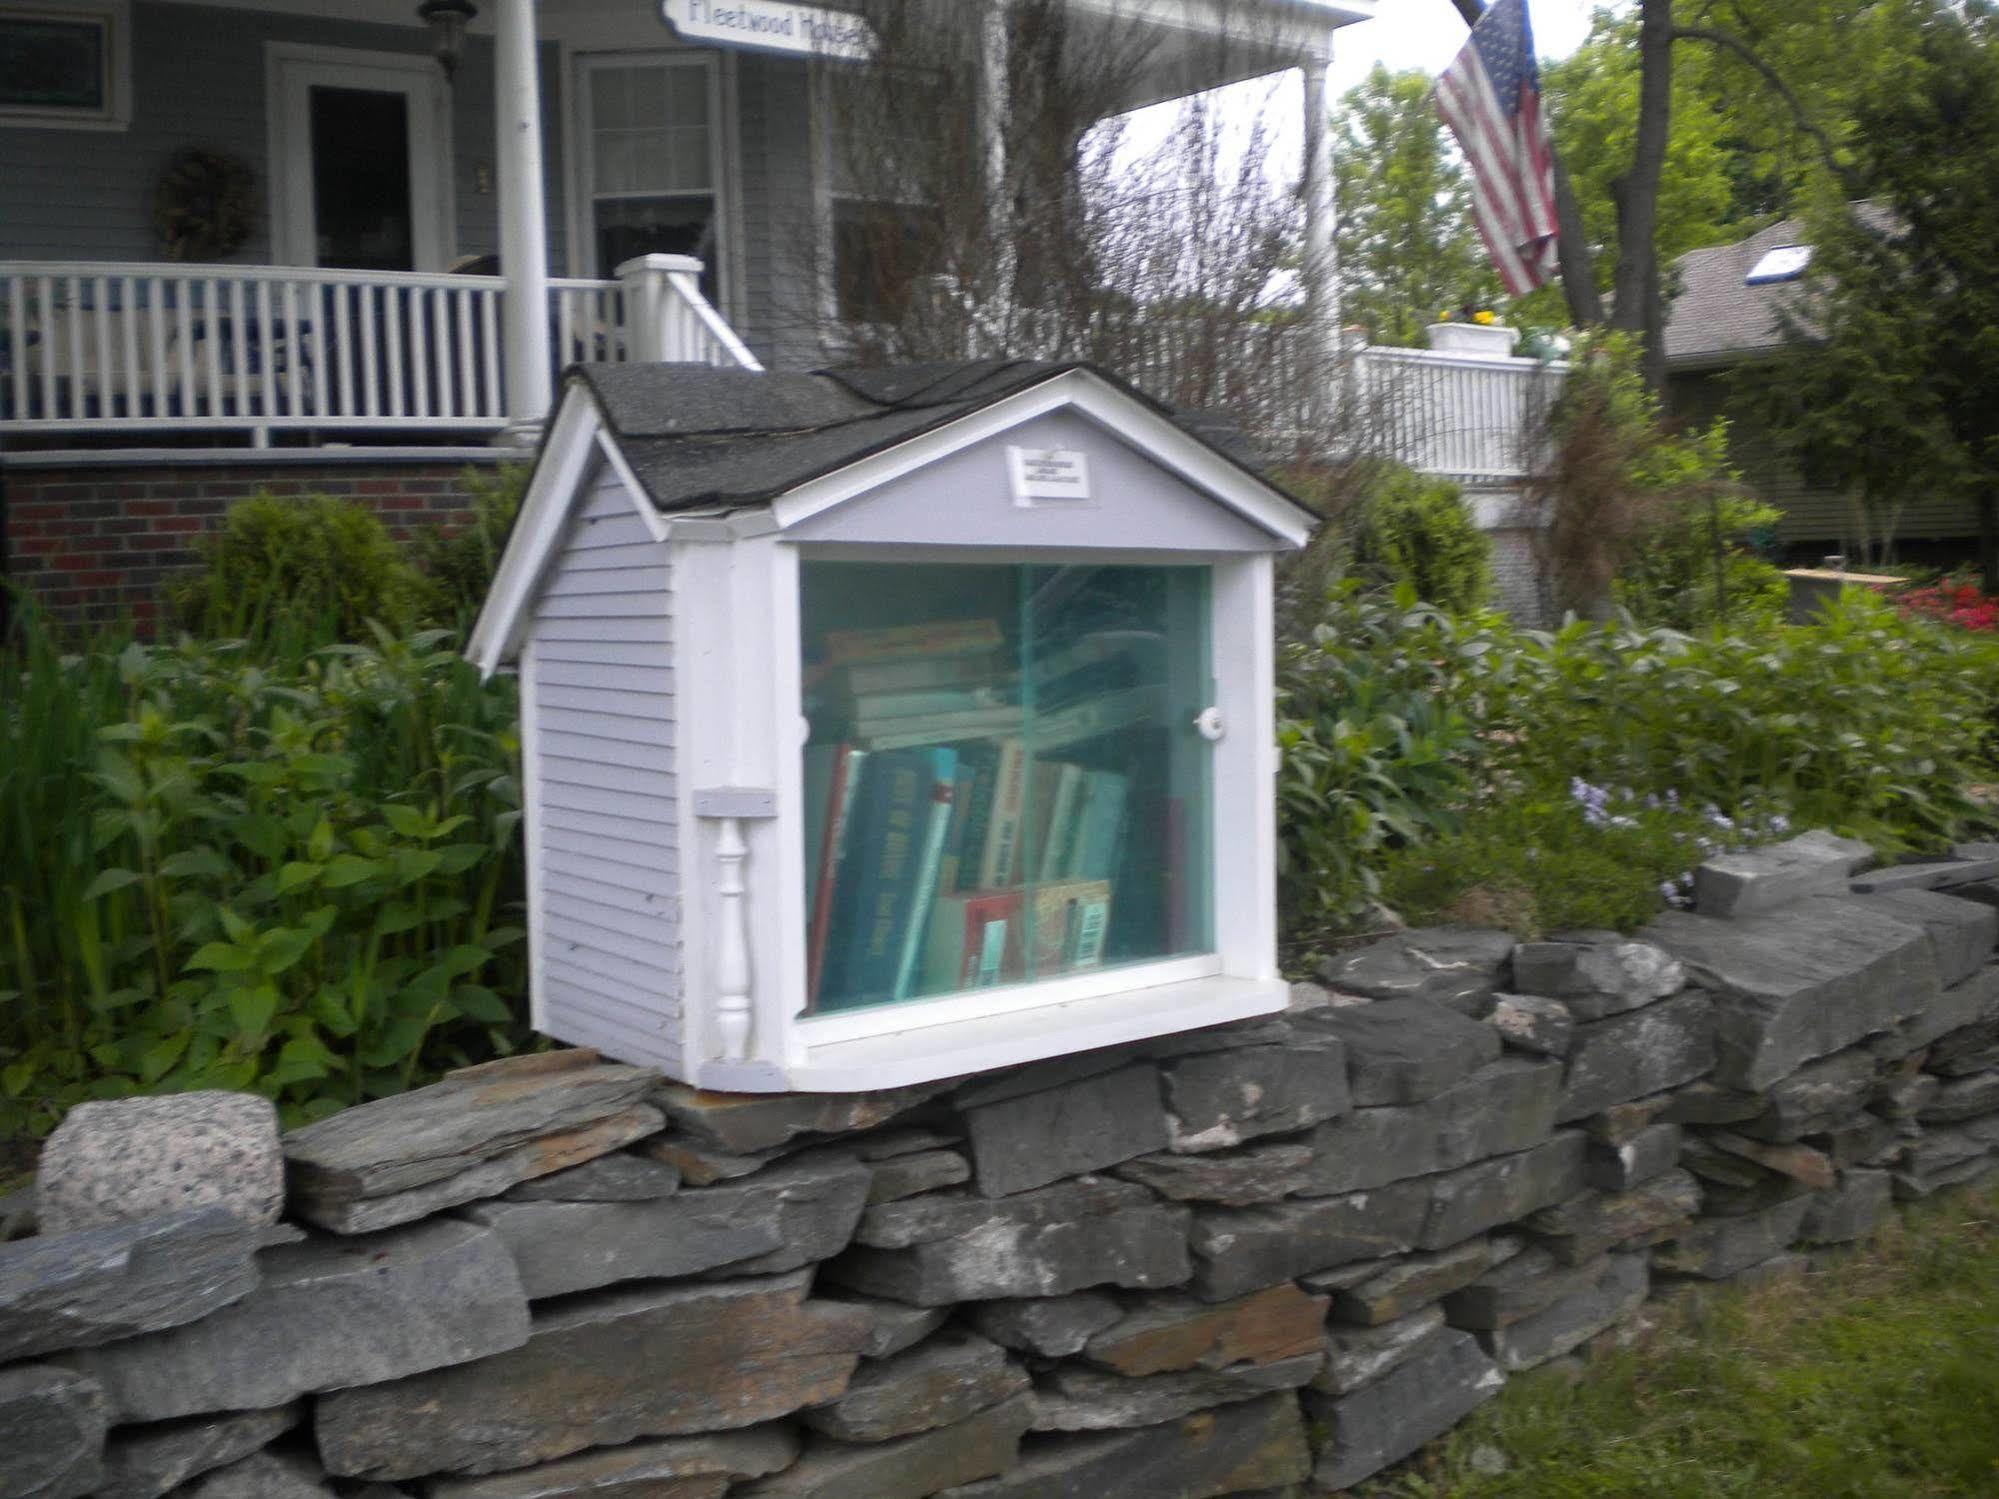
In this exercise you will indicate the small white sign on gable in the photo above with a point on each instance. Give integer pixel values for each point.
(1049, 476)
(772, 26)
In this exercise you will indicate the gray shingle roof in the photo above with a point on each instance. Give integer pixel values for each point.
(700, 438)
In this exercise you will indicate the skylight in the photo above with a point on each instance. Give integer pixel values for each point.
(1785, 263)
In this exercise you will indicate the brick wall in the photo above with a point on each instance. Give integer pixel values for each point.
(94, 543)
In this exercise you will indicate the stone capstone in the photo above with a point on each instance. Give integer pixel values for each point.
(1776, 874)
(143, 1462)
(786, 1216)
(1073, 1397)
(1036, 1138)
(1456, 966)
(1163, 1334)
(131, 1158)
(1585, 1226)
(1441, 1383)
(950, 1377)
(745, 1124)
(1596, 974)
(1651, 1152)
(663, 1468)
(612, 1367)
(1506, 1106)
(619, 1177)
(1233, 1178)
(1238, 1250)
(1408, 1284)
(1852, 1210)
(263, 1475)
(1047, 1242)
(54, 1422)
(1616, 1288)
(1528, 1022)
(1357, 1356)
(97, 1285)
(1716, 1248)
(1049, 1326)
(1221, 1099)
(330, 1313)
(910, 1467)
(1799, 983)
(1406, 1050)
(1634, 1055)
(1961, 932)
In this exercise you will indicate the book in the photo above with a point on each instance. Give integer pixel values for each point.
(909, 733)
(877, 879)
(1099, 715)
(873, 706)
(1058, 833)
(865, 678)
(1058, 917)
(836, 782)
(1001, 851)
(984, 760)
(943, 637)
(1099, 827)
(964, 792)
(914, 923)
(967, 943)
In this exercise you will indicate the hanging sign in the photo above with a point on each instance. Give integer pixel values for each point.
(771, 26)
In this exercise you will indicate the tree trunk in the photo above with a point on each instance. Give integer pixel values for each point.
(1640, 306)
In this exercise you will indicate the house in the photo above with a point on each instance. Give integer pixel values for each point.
(1727, 320)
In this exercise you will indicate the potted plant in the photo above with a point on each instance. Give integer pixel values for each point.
(1472, 330)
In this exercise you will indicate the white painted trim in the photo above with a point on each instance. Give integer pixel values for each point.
(1242, 802)
(290, 70)
(531, 784)
(648, 511)
(116, 17)
(1124, 417)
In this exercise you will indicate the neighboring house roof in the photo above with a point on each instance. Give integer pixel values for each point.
(1719, 317)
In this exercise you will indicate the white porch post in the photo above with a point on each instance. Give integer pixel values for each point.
(995, 49)
(523, 227)
(1322, 309)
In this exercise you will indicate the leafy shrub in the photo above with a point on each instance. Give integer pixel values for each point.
(1418, 530)
(277, 562)
(1698, 569)
(457, 562)
(241, 868)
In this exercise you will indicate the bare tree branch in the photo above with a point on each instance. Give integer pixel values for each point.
(1747, 54)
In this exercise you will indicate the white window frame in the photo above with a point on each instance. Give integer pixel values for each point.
(114, 18)
(291, 70)
(721, 158)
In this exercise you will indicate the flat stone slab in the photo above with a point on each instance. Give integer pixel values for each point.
(1239, 1250)
(1036, 1138)
(1221, 1099)
(897, 1325)
(1814, 1099)
(1852, 1210)
(1457, 966)
(616, 1366)
(1507, 1105)
(412, 1140)
(923, 1171)
(1596, 974)
(1231, 1450)
(1963, 1098)
(747, 1123)
(1777, 874)
(1959, 1005)
(54, 1421)
(97, 1285)
(619, 1177)
(1050, 1326)
(263, 1475)
(1048, 1242)
(938, 1383)
(1265, 1172)
(1522, 1287)
(330, 1313)
(1619, 1288)
(143, 1462)
(1402, 1051)
(1802, 982)
(1073, 1397)
(1716, 1248)
(131, 1158)
(1475, 1198)
(1167, 1333)
(1585, 1226)
(1925, 874)
(1961, 932)
(1634, 1055)
(910, 1467)
(1651, 1152)
(1358, 1356)
(1420, 1399)
(662, 1468)
(1408, 1285)
(1533, 1023)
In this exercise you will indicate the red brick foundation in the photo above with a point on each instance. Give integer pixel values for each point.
(94, 542)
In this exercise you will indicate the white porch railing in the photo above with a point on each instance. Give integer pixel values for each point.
(88, 345)
(1468, 416)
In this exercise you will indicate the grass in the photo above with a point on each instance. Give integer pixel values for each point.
(1876, 1376)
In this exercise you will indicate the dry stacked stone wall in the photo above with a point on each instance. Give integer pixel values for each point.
(1265, 1259)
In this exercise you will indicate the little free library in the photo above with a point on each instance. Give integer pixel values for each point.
(883, 726)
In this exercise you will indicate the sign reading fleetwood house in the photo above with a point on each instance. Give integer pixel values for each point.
(771, 26)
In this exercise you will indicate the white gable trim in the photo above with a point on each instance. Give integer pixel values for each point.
(1131, 421)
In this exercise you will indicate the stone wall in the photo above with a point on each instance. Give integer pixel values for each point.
(1265, 1259)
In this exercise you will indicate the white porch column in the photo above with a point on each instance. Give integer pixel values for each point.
(995, 48)
(1321, 286)
(523, 227)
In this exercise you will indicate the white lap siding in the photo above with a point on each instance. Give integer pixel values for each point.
(604, 800)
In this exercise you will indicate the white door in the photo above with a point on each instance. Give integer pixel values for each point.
(360, 160)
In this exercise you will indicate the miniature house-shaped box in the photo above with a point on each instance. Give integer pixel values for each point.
(886, 726)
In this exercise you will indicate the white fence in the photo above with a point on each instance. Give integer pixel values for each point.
(1469, 416)
(86, 345)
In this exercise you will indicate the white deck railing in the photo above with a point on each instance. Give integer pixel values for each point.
(1469, 416)
(90, 345)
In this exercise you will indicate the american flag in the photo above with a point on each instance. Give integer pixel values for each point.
(1491, 99)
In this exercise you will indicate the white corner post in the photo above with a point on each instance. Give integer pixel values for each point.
(523, 224)
(1322, 309)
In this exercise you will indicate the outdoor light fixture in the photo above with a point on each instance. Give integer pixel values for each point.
(447, 20)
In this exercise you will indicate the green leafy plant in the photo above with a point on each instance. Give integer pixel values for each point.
(1417, 529)
(457, 561)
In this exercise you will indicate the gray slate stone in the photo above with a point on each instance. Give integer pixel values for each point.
(1506, 1106)
(1715, 1248)
(1762, 879)
(1443, 1382)
(1475, 1198)
(1239, 1250)
(1596, 974)
(744, 1124)
(54, 1421)
(1584, 1227)
(923, 1171)
(1852, 1210)
(952, 1376)
(1051, 1326)
(1407, 1050)
(897, 1325)
(1619, 1289)
(1634, 1055)
(1165, 1333)
(330, 1313)
(786, 1216)
(1800, 983)
(1233, 1449)
(1047, 1242)
(117, 1280)
(663, 1468)
(618, 1177)
(1529, 1022)
(1961, 931)
(1975, 999)
(1975, 1048)
(1619, 1168)
(1074, 1397)
(909, 1468)
(1408, 1284)
(1221, 1099)
(1266, 1172)
(1523, 1287)
(1038, 1138)
(1457, 966)
(1814, 1099)
(132, 1158)
(263, 1475)
(428, 1136)
(1707, 1102)
(143, 1462)
(615, 1366)
(1963, 1098)
(1925, 874)
(1357, 1356)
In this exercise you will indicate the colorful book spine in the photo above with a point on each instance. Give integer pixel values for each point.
(1058, 833)
(958, 637)
(967, 943)
(984, 760)
(877, 878)
(843, 778)
(865, 678)
(915, 921)
(1002, 847)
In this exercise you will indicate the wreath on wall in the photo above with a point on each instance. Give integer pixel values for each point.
(205, 205)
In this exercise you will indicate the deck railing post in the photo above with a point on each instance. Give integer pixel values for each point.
(650, 300)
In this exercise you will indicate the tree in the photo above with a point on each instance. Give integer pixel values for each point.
(1893, 378)
(1407, 247)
